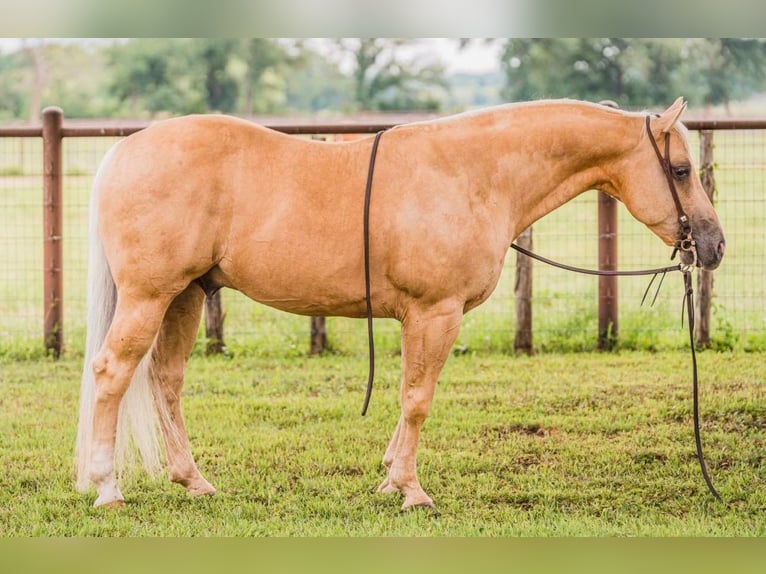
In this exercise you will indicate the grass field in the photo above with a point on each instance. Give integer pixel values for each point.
(552, 445)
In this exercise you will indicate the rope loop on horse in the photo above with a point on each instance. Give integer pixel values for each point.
(367, 286)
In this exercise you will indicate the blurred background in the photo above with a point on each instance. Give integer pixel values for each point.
(150, 78)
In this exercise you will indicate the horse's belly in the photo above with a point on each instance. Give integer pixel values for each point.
(309, 305)
(298, 285)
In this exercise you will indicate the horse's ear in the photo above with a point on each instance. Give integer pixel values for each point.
(670, 116)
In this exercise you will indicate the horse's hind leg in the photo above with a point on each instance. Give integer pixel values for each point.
(130, 336)
(171, 353)
(427, 337)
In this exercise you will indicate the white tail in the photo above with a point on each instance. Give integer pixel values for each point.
(137, 428)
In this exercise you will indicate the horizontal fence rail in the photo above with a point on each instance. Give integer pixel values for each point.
(569, 310)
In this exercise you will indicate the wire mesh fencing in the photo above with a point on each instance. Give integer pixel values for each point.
(564, 305)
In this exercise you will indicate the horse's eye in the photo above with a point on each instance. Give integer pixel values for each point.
(681, 172)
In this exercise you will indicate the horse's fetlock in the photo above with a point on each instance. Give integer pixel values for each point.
(100, 471)
(182, 474)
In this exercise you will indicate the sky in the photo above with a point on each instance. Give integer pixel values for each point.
(477, 57)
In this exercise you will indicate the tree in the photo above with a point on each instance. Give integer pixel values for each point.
(634, 71)
(384, 80)
(16, 80)
(37, 52)
(66, 74)
(157, 76)
(582, 68)
(734, 68)
(221, 87)
(317, 85)
(266, 63)
(228, 75)
(78, 80)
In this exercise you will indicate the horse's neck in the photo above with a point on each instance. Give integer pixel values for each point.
(539, 158)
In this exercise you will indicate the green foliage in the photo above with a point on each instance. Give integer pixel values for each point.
(157, 76)
(221, 87)
(735, 68)
(725, 337)
(148, 77)
(384, 81)
(318, 86)
(559, 445)
(154, 77)
(634, 71)
(15, 84)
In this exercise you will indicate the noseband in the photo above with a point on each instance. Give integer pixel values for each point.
(685, 241)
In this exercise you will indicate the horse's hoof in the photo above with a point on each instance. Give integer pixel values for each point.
(204, 488)
(109, 496)
(386, 487)
(112, 504)
(425, 505)
(196, 493)
(420, 500)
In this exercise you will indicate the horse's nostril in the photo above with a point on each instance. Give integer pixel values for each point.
(721, 248)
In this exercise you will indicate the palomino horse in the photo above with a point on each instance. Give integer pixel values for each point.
(197, 203)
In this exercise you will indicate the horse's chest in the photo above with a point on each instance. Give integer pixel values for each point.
(483, 286)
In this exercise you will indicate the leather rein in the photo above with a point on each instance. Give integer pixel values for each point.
(685, 242)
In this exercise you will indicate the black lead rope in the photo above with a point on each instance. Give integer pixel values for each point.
(367, 286)
(657, 271)
(689, 299)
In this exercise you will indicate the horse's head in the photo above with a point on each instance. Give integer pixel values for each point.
(658, 169)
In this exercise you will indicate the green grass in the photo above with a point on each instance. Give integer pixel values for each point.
(553, 445)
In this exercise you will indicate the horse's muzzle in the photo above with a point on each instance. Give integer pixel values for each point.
(710, 246)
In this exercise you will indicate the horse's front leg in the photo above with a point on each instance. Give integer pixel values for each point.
(427, 337)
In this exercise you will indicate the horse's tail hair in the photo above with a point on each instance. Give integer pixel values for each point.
(137, 423)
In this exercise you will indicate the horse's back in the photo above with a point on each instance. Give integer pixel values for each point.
(269, 212)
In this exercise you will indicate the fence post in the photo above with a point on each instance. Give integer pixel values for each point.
(608, 312)
(705, 278)
(523, 290)
(53, 260)
(318, 335)
(318, 325)
(214, 324)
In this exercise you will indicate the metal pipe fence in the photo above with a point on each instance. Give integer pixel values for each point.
(46, 174)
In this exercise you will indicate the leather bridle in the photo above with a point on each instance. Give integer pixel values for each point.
(685, 241)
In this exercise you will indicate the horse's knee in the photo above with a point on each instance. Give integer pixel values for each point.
(416, 404)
